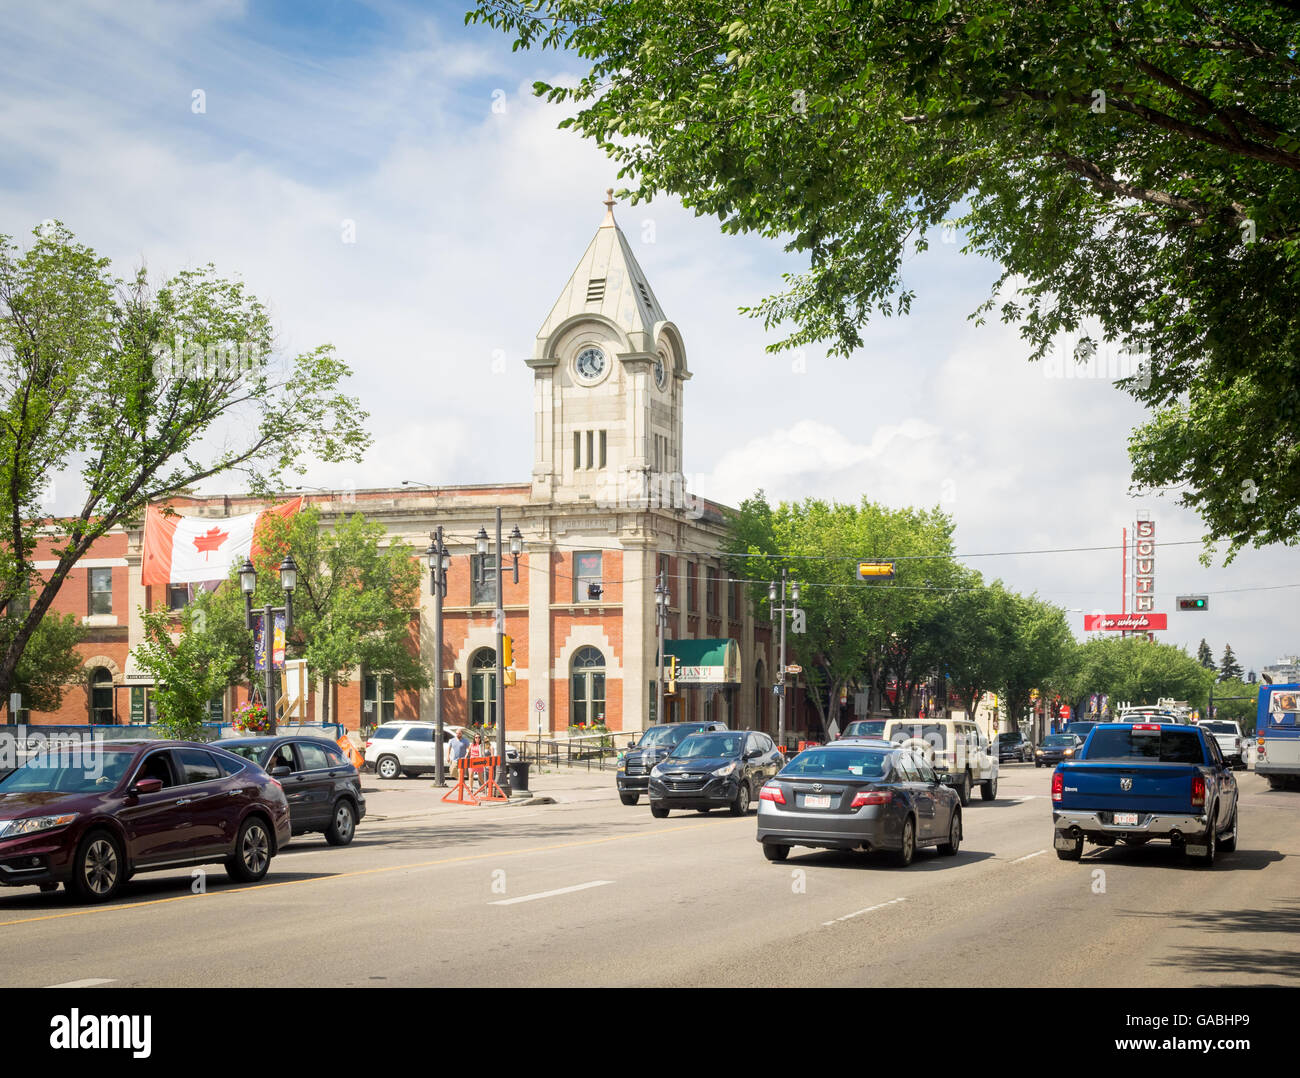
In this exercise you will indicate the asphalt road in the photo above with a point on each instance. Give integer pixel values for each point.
(595, 893)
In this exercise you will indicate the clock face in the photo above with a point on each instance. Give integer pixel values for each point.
(661, 373)
(590, 364)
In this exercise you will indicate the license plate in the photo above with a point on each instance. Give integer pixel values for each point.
(1121, 819)
(817, 801)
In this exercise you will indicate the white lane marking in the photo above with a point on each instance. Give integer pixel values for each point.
(869, 909)
(550, 894)
(89, 982)
(1026, 857)
(1022, 800)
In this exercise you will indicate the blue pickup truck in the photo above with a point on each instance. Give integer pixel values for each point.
(1134, 782)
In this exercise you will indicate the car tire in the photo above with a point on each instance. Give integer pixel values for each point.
(629, 799)
(904, 854)
(775, 851)
(1276, 782)
(252, 856)
(387, 767)
(659, 812)
(1206, 859)
(963, 791)
(98, 869)
(950, 848)
(1074, 853)
(740, 806)
(1229, 841)
(1037, 764)
(989, 790)
(343, 828)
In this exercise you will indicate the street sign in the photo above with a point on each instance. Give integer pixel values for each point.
(794, 668)
(1124, 622)
(539, 704)
(875, 570)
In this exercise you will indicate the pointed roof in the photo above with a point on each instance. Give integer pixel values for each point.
(608, 282)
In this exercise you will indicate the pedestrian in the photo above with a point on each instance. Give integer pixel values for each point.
(459, 748)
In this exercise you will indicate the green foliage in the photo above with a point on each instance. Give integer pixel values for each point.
(1237, 701)
(50, 661)
(1137, 671)
(1204, 656)
(1137, 165)
(1229, 668)
(146, 392)
(193, 655)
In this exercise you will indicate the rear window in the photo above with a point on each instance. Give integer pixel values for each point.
(1219, 727)
(933, 734)
(1169, 746)
(838, 764)
(866, 728)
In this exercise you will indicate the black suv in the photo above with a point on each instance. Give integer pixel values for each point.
(656, 743)
(1013, 745)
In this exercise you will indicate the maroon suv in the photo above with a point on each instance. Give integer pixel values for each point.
(93, 816)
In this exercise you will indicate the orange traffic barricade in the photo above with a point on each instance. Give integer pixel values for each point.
(462, 793)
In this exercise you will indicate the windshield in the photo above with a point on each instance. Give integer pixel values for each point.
(699, 746)
(665, 737)
(866, 728)
(1169, 746)
(69, 772)
(1056, 741)
(838, 764)
(248, 751)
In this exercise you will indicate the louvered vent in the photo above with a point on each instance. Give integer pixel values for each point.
(596, 290)
(645, 294)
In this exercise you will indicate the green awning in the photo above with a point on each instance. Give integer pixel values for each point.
(706, 662)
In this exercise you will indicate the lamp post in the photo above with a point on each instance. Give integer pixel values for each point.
(439, 562)
(661, 618)
(248, 585)
(781, 609)
(516, 548)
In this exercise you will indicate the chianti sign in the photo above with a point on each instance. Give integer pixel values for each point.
(1124, 622)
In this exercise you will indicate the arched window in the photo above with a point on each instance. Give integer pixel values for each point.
(101, 697)
(587, 692)
(483, 687)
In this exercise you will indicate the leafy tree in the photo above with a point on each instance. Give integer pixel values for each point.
(1138, 671)
(1237, 701)
(1041, 647)
(146, 392)
(193, 655)
(50, 662)
(1138, 165)
(1204, 656)
(356, 603)
(1229, 668)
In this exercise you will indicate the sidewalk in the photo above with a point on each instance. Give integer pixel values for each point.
(395, 799)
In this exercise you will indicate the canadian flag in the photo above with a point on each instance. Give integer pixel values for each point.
(200, 550)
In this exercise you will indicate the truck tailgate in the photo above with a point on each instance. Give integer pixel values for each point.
(1156, 787)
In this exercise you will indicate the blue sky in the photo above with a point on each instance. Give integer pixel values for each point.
(469, 218)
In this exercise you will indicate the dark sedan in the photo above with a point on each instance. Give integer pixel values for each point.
(1013, 745)
(92, 820)
(859, 796)
(634, 765)
(714, 770)
(323, 788)
(1057, 747)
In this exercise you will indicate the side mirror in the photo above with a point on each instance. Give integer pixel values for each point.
(631, 745)
(145, 786)
(942, 778)
(281, 772)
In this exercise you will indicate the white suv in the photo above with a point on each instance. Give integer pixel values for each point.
(955, 746)
(407, 748)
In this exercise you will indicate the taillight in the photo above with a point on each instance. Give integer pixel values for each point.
(772, 793)
(875, 797)
(1058, 786)
(1146, 726)
(1198, 789)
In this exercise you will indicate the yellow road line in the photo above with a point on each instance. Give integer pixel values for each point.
(361, 872)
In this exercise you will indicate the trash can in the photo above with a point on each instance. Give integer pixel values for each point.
(517, 770)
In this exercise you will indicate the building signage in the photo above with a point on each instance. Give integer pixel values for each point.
(1124, 622)
(1144, 567)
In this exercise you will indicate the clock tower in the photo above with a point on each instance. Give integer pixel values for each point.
(608, 373)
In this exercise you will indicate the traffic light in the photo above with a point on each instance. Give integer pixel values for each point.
(451, 679)
(671, 688)
(1193, 602)
(875, 570)
(507, 651)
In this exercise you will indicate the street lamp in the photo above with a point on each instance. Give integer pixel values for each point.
(661, 619)
(439, 562)
(780, 608)
(516, 548)
(248, 585)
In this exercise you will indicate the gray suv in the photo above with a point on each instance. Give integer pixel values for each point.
(657, 742)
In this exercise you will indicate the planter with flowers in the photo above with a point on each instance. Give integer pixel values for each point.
(252, 718)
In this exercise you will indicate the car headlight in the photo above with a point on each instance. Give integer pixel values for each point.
(655, 773)
(622, 764)
(725, 770)
(33, 824)
(1038, 752)
(1069, 752)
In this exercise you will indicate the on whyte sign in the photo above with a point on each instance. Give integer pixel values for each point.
(1124, 622)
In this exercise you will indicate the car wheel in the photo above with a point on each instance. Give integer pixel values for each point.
(904, 854)
(658, 811)
(1074, 853)
(1037, 764)
(774, 851)
(989, 790)
(963, 791)
(252, 855)
(98, 870)
(344, 827)
(1229, 841)
(1276, 782)
(740, 806)
(1206, 859)
(629, 799)
(950, 848)
(387, 767)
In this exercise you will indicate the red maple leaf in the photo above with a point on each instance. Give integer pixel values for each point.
(213, 540)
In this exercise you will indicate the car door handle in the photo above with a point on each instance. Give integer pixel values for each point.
(183, 801)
